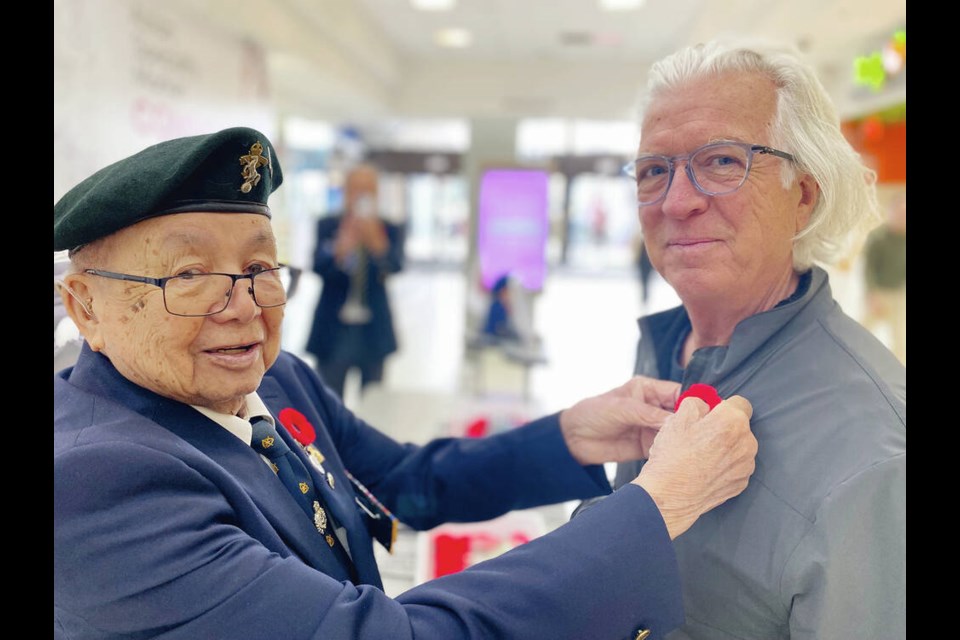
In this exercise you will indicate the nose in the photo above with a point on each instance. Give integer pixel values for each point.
(683, 199)
(241, 305)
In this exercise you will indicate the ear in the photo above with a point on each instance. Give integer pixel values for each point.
(809, 196)
(78, 300)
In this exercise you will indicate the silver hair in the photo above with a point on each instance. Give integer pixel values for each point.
(806, 125)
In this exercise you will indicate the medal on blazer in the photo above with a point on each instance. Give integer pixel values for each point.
(316, 458)
(319, 517)
(381, 523)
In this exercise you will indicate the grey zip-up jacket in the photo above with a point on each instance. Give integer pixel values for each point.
(815, 547)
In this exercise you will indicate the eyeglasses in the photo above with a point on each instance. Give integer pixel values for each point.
(205, 294)
(714, 169)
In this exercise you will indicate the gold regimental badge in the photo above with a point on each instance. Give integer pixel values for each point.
(319, 517)
(251, 162)
(267, 442)
(304, 487)
(330, 540)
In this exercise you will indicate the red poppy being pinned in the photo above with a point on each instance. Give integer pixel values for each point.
(697, 390)
(298, 426)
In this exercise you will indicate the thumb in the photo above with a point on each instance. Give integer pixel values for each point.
(690, 410)
(736, 403)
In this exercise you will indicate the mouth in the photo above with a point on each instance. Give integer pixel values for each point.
(233, 350)
(235, 357)
(691, 242)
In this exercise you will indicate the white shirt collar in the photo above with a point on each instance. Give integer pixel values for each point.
(240, 427)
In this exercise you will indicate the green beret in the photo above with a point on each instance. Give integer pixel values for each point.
(232, 171)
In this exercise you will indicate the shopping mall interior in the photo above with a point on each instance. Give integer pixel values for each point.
(440, 98)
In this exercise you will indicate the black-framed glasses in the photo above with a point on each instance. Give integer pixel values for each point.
(205, 294)
(714, 169)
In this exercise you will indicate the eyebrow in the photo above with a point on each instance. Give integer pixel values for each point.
(188, 240)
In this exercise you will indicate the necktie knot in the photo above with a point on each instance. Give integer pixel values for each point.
(266, 440)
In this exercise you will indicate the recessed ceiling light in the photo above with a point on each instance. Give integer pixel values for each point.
(620, 5)
(453, 37)
(433, 5)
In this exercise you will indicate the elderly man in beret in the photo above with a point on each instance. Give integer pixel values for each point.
(208, 485)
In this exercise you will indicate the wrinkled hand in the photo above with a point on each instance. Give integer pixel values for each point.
(700, 459)
(620, 424)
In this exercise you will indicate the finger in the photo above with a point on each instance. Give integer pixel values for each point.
(664, 393)
(737, 403)
(691, 410)
(649, 416)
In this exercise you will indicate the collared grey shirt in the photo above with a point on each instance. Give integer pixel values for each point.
(815, 547)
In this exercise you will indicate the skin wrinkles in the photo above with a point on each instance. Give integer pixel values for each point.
(730, 256)
(187, 359)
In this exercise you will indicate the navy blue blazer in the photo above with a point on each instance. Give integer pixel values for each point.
(166, 525)
(379, 337)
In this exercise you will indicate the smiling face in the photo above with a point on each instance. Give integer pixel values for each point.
(211, 361)
(734, 249)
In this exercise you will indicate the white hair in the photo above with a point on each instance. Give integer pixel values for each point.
(806, 125)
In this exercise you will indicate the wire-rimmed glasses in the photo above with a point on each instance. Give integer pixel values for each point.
(714, 169)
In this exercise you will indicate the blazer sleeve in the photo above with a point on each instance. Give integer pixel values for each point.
(153, 547)
(446, 479)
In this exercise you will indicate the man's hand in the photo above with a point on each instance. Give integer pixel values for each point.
(373, 235)
(347, 240)
(700, 459)
(621, 424)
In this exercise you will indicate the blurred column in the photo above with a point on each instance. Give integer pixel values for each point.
(493, 142)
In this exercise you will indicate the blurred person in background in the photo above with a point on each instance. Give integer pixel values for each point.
(885, 276)
(209, 485)
(744, 183)
(645, 269)
(356, 252)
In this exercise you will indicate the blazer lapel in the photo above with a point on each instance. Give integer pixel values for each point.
(95, 373)
(333, 484)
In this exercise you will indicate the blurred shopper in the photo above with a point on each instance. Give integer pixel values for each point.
(208, 485)
(499, 323)
(885, 275)
(355, 253)
(745, 182)
(645, 268)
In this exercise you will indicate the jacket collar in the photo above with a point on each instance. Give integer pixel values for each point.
(751, 345)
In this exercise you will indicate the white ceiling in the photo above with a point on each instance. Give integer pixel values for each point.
(362, 60)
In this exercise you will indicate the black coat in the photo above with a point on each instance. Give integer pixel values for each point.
(379, 338)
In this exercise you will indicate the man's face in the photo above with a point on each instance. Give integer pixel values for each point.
(211, 361)
(734, 248)
(361, 192)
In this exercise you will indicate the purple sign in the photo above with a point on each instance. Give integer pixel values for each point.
(512, 226)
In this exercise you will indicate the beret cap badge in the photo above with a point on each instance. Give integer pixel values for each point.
(251, 162)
